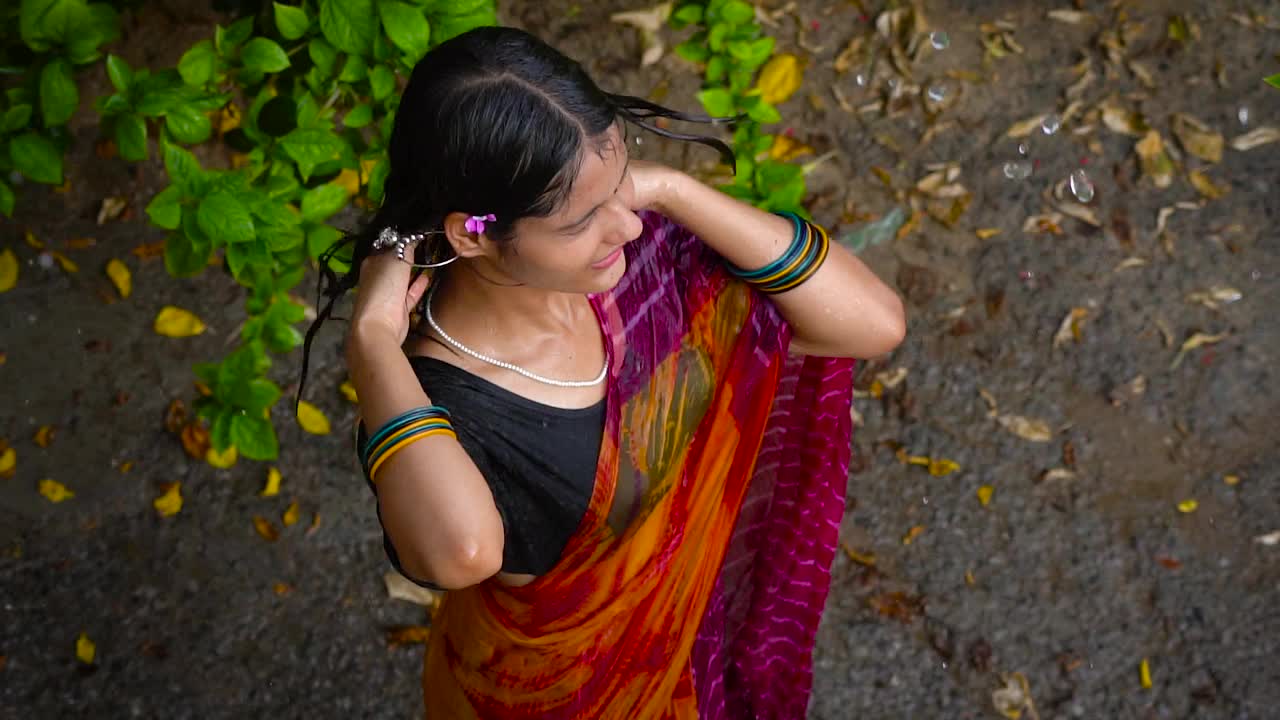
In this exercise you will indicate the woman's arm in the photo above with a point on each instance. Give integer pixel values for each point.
(436, 507)
(843, 310)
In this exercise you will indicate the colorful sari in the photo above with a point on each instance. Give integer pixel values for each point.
(694, 584)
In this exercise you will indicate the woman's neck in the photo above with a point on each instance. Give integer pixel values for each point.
(470, 299)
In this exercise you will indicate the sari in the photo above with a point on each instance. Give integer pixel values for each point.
(694, 584)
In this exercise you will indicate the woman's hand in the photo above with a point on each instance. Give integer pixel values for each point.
(386, 295)
(653, 185)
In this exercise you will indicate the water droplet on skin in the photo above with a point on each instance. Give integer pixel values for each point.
(936, 93)
(1050, 124)
(1243, 115)
(1017, 170)
(1081, 186)
(939, 40)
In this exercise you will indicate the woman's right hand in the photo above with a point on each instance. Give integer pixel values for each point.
(385, 296)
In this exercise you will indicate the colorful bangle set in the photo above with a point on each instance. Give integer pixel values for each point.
(809, 247)
(400, 432)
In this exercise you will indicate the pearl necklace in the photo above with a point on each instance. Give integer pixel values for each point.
(604, 371)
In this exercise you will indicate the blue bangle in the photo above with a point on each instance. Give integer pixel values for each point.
(797, 244)
(398, 422)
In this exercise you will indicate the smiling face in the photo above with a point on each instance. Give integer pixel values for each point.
(578, 248)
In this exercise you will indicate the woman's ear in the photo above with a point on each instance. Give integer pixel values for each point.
(466, 243)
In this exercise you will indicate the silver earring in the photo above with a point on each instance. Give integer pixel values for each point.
(389, 238)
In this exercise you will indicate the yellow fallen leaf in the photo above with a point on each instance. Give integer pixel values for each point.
(126, 466)
(85, 649)
(867, 559)
(984, 494)
(1254, 138)
(55, 491)
(1156, 163)
(1195, 341)
(1198, 139)
(969, 579)
(272, 487)
(1026, 428)
(177, 323)
(779, 78)
(786, 149)
(67, 264)
(315, 523)
(221, 460)
(1232, 480)
(1188, 506)
(44, 436)
(290, 514)
(941, 466)
(30, 239)
(1144, 674)
(348, 180)
(120, 277)
(348, 391)
(170, 503)
(1069, 329)
(282, 589)
(228, 118)
(912, 534)
(1205, 186)
(8, 461)
(1024, 128)
(265, 528)
(312, 419)
(1014, 697)
(986, 233)
(8, 270)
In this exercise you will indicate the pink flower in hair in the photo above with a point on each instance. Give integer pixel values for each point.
(476, 223)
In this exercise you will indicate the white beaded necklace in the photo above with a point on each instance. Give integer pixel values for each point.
(604, 371)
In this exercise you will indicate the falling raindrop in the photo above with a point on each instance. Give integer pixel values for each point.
(1081, 186)
(936, 93)
(1017, 170)
(639, 140)
(1243, 115)
(1050, 124)
(860, 79)
(939, 39)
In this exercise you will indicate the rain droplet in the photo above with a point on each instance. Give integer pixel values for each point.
(892, 83)
(936, 93)
(639, 140)
(1017, 170)
(860, 79)
(1050, 124)
(1023, 149)
(1081, 186)
(45, 260)
(1243, 115)
(939, 39)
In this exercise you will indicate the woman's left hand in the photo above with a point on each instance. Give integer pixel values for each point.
(652, 185)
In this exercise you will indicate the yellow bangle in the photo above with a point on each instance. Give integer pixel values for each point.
(443, 422)
(373, 471)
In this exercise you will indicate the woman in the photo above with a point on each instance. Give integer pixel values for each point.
(620, 437)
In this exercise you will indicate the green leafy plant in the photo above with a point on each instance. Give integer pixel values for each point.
(732, 49)
(54, 38)
(319, 79)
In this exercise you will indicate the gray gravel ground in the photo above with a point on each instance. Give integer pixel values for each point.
(1074, 580)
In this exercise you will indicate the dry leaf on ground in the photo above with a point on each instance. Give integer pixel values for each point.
(984, 494)
(170, 503)
(265, 528)
(120, 277)
(85, 649)
(55, 491)
(1156, 163)
(1195, 341)
(1198, 139)
(1206, 187)
(177, 323)
(648, 22)
(1014, 697)
(8, 270)
(272, 488)
(312, 419)
(1026, 428)
(290, 515)
(780, 78)
(1069, 329)
(1255, 138)
(401, 588)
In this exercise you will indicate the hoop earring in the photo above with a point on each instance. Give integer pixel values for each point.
(390, 238)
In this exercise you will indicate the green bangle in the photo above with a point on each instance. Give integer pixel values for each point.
(797, 243)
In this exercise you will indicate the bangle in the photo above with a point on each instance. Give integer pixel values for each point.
(808, 251)
(398, 423)
(803, 273)
(403, 441)
(402, 431)
(787, 258)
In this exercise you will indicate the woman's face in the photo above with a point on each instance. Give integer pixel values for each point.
(578, 248)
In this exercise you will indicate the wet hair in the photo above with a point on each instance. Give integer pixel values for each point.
(491, 121)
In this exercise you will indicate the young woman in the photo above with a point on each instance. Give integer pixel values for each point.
(619, 437)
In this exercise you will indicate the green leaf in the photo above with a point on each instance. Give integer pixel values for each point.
(320, 238)
(224, 218)
(220, 431)
(254, 396)
(120, 73)
(281, 239)
(265, 55)
(446, 26)
(100, 26)
(687, 15)
(185, 256)
(292, 22)
(764, 113)
(716, 36)
(321, 202)
(6, 199)
(181, 165)
(282, 337)
(198, 64)
(716, 68)
(407, 27)
(36, 157)
(349, 24)
(693, 51)
(358, 116)
(1273, 81)
(737, 12)
(311, 147)
(254, 437)
(15, 118)
(324, 55)
(165, 209)
(243, 258)
(717, 101)
(354, 69)
(188, 126)
(46, 22)
(752, 53)
(378, 179)
(131, 137)
(225, 41)
(383, 82)
(58, 94)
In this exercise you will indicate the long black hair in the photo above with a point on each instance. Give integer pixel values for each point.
(491, 121)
